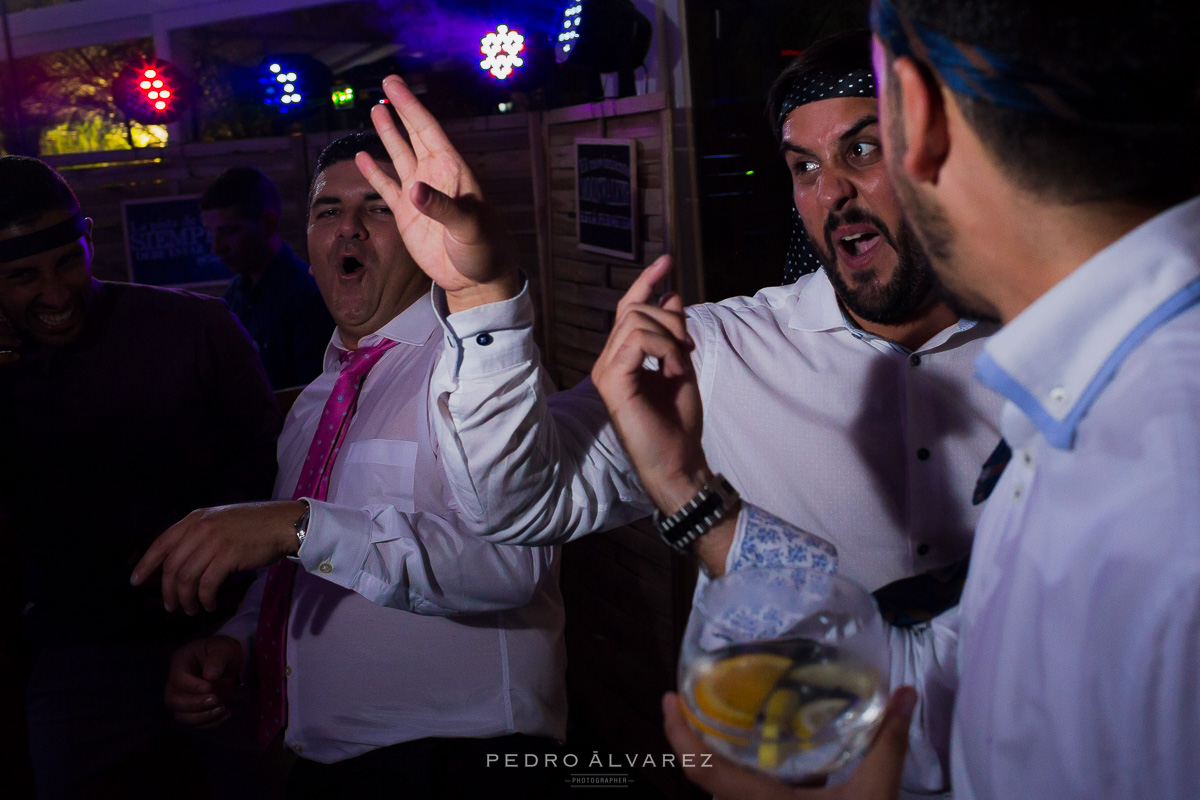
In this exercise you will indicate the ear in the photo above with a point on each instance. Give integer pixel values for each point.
(924, 114)
(87, 237)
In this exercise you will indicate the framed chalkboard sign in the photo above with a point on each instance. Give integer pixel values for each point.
(606, 196)
(167, 245)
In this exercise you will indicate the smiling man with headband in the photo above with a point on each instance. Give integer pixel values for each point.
(121, 407)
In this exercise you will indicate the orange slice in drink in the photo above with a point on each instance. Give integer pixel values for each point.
(732, 691)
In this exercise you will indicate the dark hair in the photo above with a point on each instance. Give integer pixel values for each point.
(1141, 51)
(839, 54)
(244, 188)
(348, 146)
(30, 189)
(345, 148)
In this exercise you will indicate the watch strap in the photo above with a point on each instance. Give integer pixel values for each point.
(698, 516)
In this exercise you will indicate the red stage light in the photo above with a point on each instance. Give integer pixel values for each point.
(151, 94)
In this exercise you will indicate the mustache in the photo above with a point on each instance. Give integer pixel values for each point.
(855, 216)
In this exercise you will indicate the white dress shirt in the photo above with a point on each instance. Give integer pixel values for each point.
(842, 433)
(362, 675)
(1080, 632)
(1075, 651)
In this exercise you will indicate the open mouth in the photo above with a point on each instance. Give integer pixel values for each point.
(62, 319)
(351, 266)
(857, 243)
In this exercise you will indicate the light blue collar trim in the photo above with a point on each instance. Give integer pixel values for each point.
(1060, 433)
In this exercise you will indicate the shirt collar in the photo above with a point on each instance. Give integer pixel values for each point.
(414, 326)
(817, 309)
(1057, 356)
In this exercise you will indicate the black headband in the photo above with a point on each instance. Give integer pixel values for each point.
(56, 235)
(825, 86)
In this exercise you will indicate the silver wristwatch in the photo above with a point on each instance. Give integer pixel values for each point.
(301, 525)
(711, 504)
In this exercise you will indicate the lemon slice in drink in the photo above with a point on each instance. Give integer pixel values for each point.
(732, 691)
(813, 717)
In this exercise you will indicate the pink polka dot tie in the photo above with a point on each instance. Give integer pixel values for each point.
(313, 484)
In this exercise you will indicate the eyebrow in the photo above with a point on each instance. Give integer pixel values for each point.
(332, 200)
(862, 122)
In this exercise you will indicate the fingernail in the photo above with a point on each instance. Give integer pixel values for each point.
(210, 702)
(135, 579)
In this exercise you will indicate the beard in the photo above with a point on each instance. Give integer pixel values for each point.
(932, 228)
(903, 297)
(927, 222)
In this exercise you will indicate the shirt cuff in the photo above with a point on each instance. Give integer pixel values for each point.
(488, 338)
(331, 550)
(764, 540)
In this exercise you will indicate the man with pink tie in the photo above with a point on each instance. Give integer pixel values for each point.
(387, 648)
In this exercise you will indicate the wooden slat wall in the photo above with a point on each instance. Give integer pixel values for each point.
(627, 595)
(498, 148)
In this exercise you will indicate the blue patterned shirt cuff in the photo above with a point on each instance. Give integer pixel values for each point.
(765, 540)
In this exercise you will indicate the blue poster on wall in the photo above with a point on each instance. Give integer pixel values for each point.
(166, 244)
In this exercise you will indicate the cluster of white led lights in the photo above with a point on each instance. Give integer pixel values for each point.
(288, 79)
(502, 48)
(570, 32)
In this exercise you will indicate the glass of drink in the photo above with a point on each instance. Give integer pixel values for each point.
(783, 670)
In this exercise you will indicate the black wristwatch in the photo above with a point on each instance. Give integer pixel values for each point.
(711, 504)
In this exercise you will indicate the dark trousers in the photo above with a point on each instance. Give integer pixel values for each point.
(435, 769)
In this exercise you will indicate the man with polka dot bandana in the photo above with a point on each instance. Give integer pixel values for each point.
(845, 398)
(846, 219)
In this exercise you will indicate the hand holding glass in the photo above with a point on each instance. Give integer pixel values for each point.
(783, 670)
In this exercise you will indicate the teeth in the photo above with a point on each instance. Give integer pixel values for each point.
(852, 237)
(56, 319)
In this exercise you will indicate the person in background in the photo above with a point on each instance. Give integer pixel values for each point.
(272, 292)
(122, 407)
(397, 652)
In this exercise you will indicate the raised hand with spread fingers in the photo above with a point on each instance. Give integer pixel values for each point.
(438, 204)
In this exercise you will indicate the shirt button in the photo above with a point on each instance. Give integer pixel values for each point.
(1058, 396)
(325, 567)
(914, 360)
(923, 550)
(484, 339)
(922, 454)
(1027, 457)
(287, 671)
(299, 748)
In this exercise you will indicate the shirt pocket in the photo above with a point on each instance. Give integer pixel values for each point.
(382, 471)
